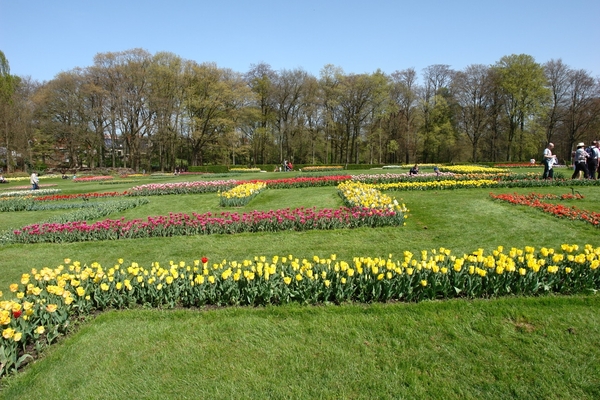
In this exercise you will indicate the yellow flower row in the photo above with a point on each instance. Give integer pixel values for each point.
(367, 195)
(48, 291)
(315, 168)
(27, 178)
(442, 184)
(243, 190)
(471, 169)
(71, 281)
(244, 169)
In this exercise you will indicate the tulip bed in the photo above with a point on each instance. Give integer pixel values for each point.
(245, 170)
(558, 210)
(180, 224)
(46, 301)
(182, 188)
(85, 196)
(319, 168)
(470, 169)
(241, 194)
(28, 187)
(31, 204)
(27, 178)
(438, 185)
(367, 207)
(20, 193)
(93, 178)
(366, 195)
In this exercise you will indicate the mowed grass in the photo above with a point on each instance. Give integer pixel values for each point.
(506, 348)
(500, 348)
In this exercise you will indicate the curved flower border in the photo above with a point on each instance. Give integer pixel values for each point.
(558, 210)
(47, 300)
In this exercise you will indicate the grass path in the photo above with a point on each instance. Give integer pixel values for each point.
(486, 349)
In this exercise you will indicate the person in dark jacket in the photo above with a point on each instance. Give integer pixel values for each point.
(580, 161)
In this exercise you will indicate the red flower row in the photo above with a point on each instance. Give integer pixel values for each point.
(558, 210)
(94, 195)
(178, 224)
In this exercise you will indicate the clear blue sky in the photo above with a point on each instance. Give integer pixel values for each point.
(41, 38)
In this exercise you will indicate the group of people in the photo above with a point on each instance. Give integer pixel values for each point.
(585, 161)
(287, 166)
(415, 170)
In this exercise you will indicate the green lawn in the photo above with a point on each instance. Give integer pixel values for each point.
(502, 348)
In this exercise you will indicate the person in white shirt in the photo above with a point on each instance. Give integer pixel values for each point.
(580, 161)
(549, 161)
(592, 161)
(35, 181)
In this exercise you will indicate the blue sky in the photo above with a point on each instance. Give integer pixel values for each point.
(41, 38)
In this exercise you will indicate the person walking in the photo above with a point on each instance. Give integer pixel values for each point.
(592, 161)
(580, 161)
(549, 161)
(35, 181)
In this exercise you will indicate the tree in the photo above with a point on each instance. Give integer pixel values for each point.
(523, 88)
(166, 93)
(259, 119)
(402, 124)
(582, 108)
(8, 87)
(65, 116)
(212, 100)
(330, 84)
(557, 76)
(312, 117)
(437, 79)
(287, 95)
(359, 95)
(473, 94)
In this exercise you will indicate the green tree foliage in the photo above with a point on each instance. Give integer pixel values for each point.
(524, 91)
(8, 113)
(160, 111)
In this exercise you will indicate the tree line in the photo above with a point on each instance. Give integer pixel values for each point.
(143, 111)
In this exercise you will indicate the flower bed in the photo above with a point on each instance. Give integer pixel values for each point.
(517, 165)
(27, 178)
(47, 300)
(29, 203)
(405, 177)
(299, 182)
(91, 195)
(93, 178)
(470, 169)
(39, 192)
(28, 187)
(156, 189)
(240, 195)
(365, 195)
(558, 210)
(320, 168)
(180, 224)
(244, 170)
(437, 185)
